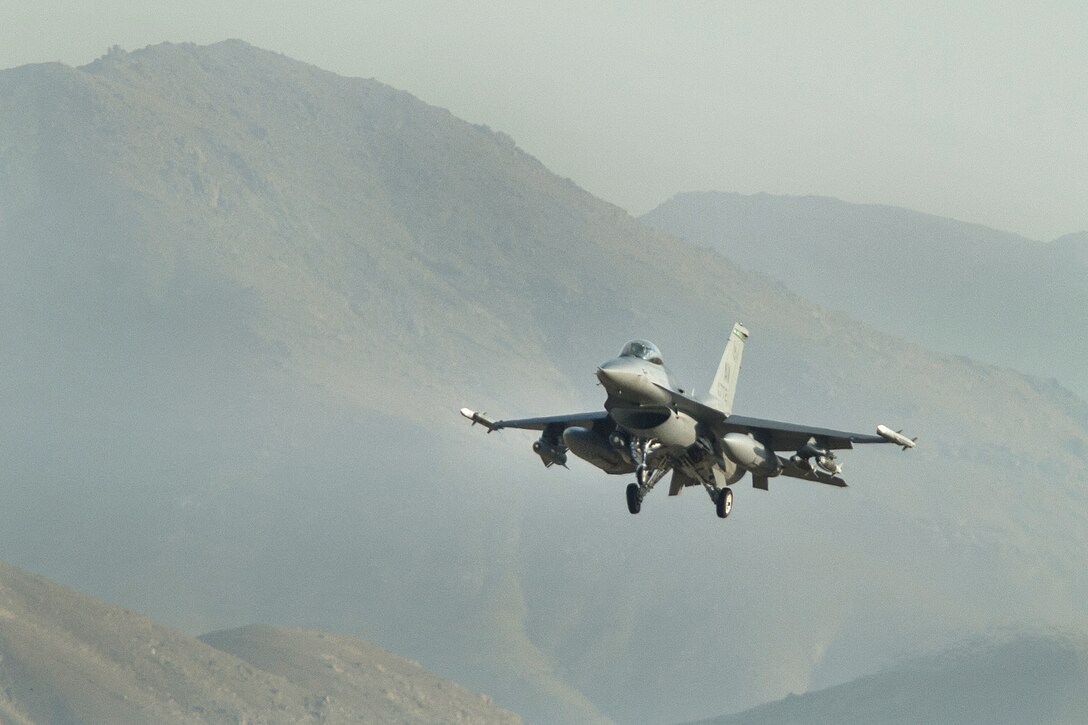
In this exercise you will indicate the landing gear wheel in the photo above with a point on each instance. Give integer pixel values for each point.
(725, 502)
(634, 501)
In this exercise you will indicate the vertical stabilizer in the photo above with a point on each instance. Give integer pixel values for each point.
(724, 386)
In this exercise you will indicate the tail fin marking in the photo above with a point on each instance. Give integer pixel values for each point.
(724, 387)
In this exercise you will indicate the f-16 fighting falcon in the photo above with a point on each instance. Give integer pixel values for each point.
(650, 427)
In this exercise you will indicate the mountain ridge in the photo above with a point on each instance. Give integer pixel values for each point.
(1017, 678)
(958, 287)
(241, 324)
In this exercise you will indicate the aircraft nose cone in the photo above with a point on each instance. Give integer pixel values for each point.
(618, 374)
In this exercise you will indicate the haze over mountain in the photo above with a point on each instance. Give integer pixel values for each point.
(1036, 679)
(68, 658)
(961, 288)
(245, 298)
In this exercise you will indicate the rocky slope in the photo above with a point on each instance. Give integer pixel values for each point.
(68, 658)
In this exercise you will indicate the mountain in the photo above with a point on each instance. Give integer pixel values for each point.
(358, 682)
(962, 288)
(68, 658)
(1028, 679)
(242, 299)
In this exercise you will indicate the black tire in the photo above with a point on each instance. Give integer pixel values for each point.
(634, 502)
(725, 502)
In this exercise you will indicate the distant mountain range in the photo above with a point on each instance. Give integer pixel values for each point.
(1027, 679)
(242, 299)
(69, 658)
(961, 288)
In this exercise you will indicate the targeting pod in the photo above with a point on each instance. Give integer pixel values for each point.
(550, 453)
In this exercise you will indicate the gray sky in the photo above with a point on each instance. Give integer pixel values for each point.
(977, 111)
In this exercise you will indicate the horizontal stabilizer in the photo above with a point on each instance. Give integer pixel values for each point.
(680, 481)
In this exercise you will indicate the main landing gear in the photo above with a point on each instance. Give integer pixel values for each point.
(723, 499)
(646, 476)
(647, 479)
(723, 502)
(634, 498)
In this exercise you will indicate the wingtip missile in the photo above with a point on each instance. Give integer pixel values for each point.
(480, 418)
(895, 437)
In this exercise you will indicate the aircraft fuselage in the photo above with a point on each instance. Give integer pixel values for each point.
(638, 401)
(651, 427)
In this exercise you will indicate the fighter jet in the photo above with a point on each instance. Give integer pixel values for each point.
(651, 427)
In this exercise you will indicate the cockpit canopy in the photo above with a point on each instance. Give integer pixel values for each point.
(642, 349)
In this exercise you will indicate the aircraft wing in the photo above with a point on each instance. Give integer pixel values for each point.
(559, 421)
(780, 436)
(701, 412)
(791, 437)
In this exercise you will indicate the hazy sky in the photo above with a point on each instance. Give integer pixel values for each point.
(977, 111)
